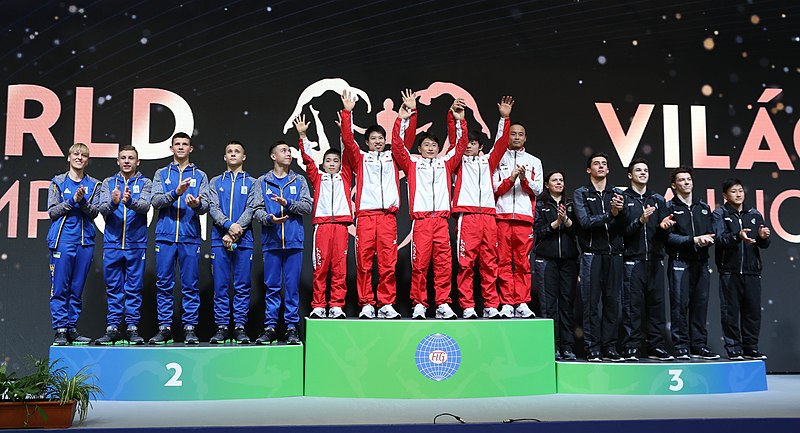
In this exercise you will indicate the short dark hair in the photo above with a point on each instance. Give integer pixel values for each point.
(128, 148)
(595, 155)
(430, 136)
(374, 128)
(730, 183)
(236, 142)
(332, 151)
(182, 135)
(637, 161)
(276, 144)
(475, 135)
(679, 170)
(520, 124)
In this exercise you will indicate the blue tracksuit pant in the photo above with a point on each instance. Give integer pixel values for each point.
(223, 263)
(69, 266)
(188, 258)
(282, 267)
(124, 271)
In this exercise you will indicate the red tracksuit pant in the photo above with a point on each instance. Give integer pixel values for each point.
(514, 244)
(376, 234)
(477, 241)
(431, 239)
(330, 254)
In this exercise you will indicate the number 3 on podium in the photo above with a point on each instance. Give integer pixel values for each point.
(175, 380)
(676, 383)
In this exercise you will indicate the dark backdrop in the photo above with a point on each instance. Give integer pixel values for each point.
(242, 65)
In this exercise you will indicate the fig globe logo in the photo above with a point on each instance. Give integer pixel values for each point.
(438, 357)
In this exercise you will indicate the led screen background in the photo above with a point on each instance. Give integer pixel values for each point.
(242, 66)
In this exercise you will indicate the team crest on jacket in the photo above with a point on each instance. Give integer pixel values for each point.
(753, 221)
(705, 212)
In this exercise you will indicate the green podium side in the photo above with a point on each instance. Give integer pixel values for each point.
(429, 359)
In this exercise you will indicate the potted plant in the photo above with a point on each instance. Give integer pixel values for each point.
(48, 397)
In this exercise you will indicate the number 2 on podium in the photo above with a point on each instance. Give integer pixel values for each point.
(175, 380)
(676, 383)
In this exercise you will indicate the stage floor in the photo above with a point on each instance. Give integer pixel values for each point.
(781, 401)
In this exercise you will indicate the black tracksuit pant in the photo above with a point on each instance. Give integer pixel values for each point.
(688, 290)
(740, 299)
(643, 294)
(555, 282)
(601, 288)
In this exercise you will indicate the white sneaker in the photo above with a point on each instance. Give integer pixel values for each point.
(388, 312)
(419, 312)
(524, 312)
(469, 313)
(445, 312)
(336, 313)
(491, 313)
(317, 313)
(367, 312)
(506, 312)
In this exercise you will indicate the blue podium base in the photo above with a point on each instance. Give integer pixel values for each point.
(177, 372)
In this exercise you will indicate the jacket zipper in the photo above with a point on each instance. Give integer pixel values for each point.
(514, 192)
(124, 218)
(332, 201)
(559, 234)
(178, 213)
(741, 246)
(433, 187)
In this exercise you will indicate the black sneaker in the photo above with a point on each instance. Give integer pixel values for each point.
(189, 337)
(558, 355)
(568, 355)
(267, 337)
(594, 357)
(61, 337)
(705, 353)
(292, 337)
(612, 355)
(682, 354)
(133, 335)
(240, 335)
(735, 355)
(75, 338)
(110, 338)
(164, 336)
(659, 353)
(754, 354)
(631, 354)
(220, 336)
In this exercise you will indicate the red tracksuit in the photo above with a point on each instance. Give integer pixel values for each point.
(377, 202)
(332, 215)
(516, 206)
(429, 205)
(473, 201)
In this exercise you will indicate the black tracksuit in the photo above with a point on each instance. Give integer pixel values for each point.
(643, 284)
(739, 266)
(600, 238)
(555, 274)
(688, 273)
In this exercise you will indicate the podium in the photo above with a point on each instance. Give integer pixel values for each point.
(429, 358)
(661, 378)
(178, 372)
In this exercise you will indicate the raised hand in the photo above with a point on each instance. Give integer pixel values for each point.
(301, 125)
(646, 214)
(348, 100)
(183, 186)
(280, 200)
(743, 236)
(79, 194)
(505, 105)
(409, 99)
(126, 197)
(277, 220)
(192, 201)
(764, 232)
(115, 195)
(667, 222)
(339, 119)
(458, 108)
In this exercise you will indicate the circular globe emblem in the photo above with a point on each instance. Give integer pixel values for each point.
(438, 357)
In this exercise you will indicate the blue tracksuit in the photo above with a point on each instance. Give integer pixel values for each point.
(124, 245)
(71, 243)
(227, 197)
(178, 237)
(282, 244)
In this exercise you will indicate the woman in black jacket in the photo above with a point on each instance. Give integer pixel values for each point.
(555, 274)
